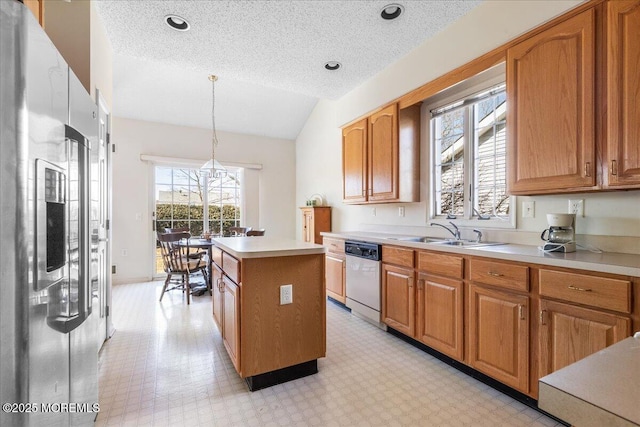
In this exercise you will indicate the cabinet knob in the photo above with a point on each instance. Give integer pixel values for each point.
(521, 311)
(587, 169)
(614, 167)
(542, 316)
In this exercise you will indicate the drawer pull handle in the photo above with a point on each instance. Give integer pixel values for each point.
(491, 273)
(575, 288)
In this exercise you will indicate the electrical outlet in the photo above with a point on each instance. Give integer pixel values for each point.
(576, 206)
(286, 294)
(401, 211)
(373, 211)
(528, 209)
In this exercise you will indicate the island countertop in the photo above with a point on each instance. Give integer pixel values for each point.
(263, 247)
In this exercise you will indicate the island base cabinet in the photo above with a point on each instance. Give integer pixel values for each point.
(440, 314)
(231, 320)
(398, 299)
(216, 292)
(499, 335)
(569, 333)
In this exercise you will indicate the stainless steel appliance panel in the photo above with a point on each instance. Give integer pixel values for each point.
(35, 317)
(46, 364)
(363, 274)
(83, 339)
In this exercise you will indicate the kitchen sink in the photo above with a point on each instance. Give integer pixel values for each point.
(419, 239)
(464, 243)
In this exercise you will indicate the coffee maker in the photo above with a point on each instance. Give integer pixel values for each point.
(560, 236)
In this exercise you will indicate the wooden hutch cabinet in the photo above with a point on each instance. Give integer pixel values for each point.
(315, 220)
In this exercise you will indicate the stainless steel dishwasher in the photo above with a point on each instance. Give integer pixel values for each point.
(363, 280)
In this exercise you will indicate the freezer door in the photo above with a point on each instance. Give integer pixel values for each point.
(83, 339)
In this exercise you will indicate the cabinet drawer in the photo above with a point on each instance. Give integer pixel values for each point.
(610, 294)
(216, 256)
(499, 274)
(441, 264)
(334, 245)
(231, 267)
(398, 256)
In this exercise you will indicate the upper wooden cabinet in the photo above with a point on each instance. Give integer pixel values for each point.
(574, 100)
(381, 157)
(354, 162)
(623, 95)
(37, 8)
(551, 114)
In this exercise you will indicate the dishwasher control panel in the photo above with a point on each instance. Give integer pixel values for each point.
(363, 250)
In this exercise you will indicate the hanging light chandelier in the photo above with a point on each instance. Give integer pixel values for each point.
(214, 167)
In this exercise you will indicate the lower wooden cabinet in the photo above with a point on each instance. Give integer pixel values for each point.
(398, 299)
(569, 333)
(440, 314)
(335, 270)
(231, 320)
(499, 335)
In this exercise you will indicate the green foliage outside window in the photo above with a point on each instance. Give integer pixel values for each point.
(177, 215)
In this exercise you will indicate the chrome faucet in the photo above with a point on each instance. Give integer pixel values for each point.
(455, 233)
(478, 234)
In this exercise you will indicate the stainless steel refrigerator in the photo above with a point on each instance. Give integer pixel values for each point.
(48, 341)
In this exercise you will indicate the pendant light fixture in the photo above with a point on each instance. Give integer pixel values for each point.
(215, 169)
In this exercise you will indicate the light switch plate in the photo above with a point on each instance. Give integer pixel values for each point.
(528, 209)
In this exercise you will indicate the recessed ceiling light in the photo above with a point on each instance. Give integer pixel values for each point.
(391, 11)
(176, 22)
(332, 65)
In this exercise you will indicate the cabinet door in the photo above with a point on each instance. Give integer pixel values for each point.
(307, 225)
(499, 335)
(335, 277)
(216, 283)
(623, 93)
(231, 321)
(36, 7)
(398, 299)
(354, 162)
(383, 155)
(550, 89)
(440, 314)
(569, 333)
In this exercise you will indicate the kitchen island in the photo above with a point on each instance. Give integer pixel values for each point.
(269, 339)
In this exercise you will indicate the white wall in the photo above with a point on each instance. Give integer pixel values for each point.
(319, 155)
(271, 191)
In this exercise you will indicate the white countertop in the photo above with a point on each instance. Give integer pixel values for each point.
(262, 247)
(606, 262)
(601, 389)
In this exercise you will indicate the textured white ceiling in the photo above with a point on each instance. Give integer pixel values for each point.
(269, 55)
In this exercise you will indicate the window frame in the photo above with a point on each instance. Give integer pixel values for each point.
(464, 90)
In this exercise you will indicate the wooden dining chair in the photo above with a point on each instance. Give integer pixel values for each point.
(194, 253)
(176, 261)
(257, 232)
(239, 231)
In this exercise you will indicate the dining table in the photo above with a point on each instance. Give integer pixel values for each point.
(201, 243)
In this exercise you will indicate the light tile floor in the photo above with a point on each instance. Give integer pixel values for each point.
(166, 365)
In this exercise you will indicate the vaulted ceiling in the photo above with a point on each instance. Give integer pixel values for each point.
(269, 56)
